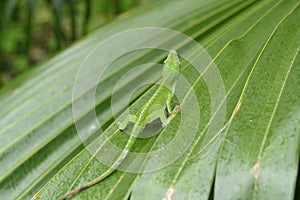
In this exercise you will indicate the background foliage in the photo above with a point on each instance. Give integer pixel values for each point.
(31, 31)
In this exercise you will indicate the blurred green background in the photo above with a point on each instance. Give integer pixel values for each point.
(31, 31)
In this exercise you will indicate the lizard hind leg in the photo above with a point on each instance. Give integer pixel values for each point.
(129, 118)
(157, 114)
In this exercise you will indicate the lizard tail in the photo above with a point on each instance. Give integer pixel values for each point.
(87, 185)
(98, 179)
(115, 165)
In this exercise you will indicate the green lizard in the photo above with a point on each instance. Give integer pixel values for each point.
(155, 108)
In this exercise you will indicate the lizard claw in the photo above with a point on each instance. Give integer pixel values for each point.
(173, 114)
(176, 110)
(164, 124)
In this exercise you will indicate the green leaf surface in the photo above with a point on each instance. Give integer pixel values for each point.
(254, 44)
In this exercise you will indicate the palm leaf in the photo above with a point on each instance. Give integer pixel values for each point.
(255, 45)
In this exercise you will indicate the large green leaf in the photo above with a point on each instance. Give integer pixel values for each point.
(254, 44)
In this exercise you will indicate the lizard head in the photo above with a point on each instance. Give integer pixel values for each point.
(172, 61)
